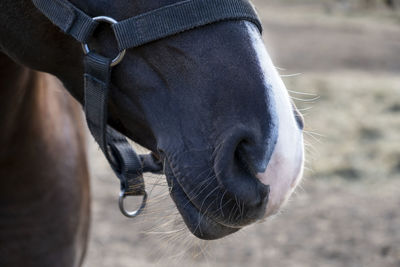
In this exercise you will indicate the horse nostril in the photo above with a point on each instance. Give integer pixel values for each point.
(244, 152)
(237, 164)
(253, 153)
(241, 157)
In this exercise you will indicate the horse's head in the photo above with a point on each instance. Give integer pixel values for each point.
(208, 102)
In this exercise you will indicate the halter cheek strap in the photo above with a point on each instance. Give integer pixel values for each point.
(130, 33)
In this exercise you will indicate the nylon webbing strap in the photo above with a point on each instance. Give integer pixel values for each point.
(68, 18)
(180, 17)
(122, 158)
(150, 26)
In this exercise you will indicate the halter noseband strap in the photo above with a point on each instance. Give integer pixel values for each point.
(151, 26)
(130, 33)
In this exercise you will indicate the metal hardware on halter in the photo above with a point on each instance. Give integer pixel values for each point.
(130, 214)
(121, 54)
(127, 188)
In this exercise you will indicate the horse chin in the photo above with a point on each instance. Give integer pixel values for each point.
(201, 225)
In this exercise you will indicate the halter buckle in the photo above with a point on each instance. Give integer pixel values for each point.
(111, 21)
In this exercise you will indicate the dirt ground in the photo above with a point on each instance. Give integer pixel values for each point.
(346, 212)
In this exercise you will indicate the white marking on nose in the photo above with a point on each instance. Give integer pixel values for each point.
(285, 167)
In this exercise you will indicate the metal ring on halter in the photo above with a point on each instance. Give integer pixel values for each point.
(110, 21)
(130, 214)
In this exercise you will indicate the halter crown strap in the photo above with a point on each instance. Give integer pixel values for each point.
(130, 33)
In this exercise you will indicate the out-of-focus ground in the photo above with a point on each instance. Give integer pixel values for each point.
(347, 211)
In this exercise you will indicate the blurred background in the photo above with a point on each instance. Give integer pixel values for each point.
(340, 60)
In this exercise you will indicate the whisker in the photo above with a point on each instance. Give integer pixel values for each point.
(311, 100)
(302, 93)
(304, 109)
(279, 68)
(291, 75)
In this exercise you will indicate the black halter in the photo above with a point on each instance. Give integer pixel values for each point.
(131, 33)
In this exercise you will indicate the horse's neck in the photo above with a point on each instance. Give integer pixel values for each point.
(37, 117)
(18, 94)
(43, 171)
(17, 97)
(42, 145)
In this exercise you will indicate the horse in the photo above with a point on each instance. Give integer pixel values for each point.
(44, 185)
(208, 103)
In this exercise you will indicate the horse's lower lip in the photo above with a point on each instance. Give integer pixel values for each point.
(201, 225)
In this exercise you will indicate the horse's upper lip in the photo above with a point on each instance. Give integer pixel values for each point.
(201, 225)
